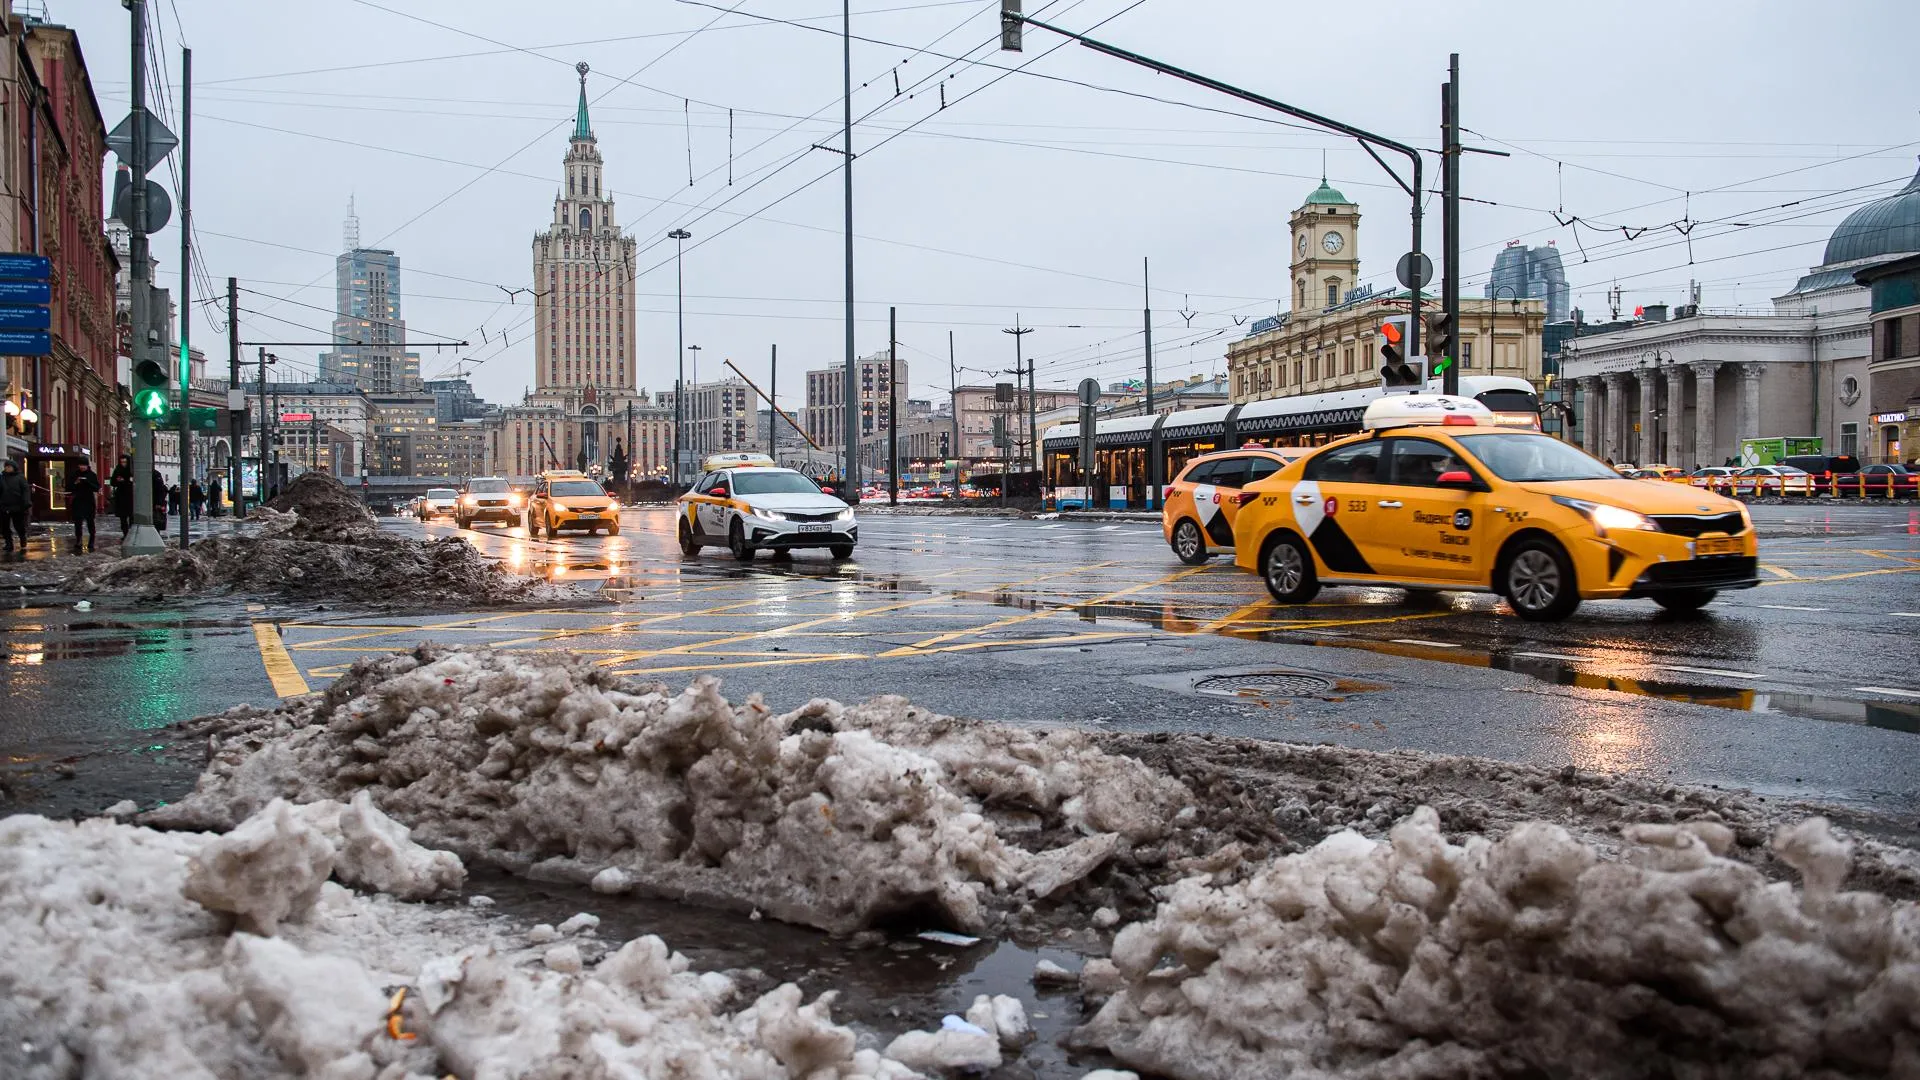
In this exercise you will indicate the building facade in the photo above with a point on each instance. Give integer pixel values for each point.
(56, 142)
(1686, 390)
(824, 415)
(401, 423)
(585, 351)
(720, 418)
(1894, 374)
(976, 408)
(456, 450)
(1331, 341)
(369, 333)
(1532, 273)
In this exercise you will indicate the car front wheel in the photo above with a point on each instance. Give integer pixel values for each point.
(842, 551)
(688, 546)
(737, 543)
(1288, 571)
(1189, 543)
(1538, 582)
(552, 532)
(1685, 599)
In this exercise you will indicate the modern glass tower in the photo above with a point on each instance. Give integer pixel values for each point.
(1531, 273)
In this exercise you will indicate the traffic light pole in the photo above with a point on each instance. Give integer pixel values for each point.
(186, 295)
(142, 538)
(1011, 19)
(1450, 215)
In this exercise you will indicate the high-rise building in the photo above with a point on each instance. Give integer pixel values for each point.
(720, 418)
(1531, 273)
(585, 354)
(370, 337)
(823, 417)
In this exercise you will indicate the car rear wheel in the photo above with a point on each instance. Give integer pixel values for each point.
(1685, 599)
(1538, 581)
(1288, 571)
(688, 546)
(737, 543)
(842, 551)
(552, 532)
(613, 528)
(1189, 543)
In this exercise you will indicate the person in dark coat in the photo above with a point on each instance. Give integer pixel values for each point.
(83, 501)
(122, 483)
(16, 502)
(159, 502)
(213, 496)
(173, 500)
(197, 499)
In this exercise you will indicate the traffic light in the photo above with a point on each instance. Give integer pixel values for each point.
(1010, 25)
(1398, 372)
(1439, 340)
(152, 390)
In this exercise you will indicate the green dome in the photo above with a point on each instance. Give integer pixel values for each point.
(1324, 195)
(1890, 226)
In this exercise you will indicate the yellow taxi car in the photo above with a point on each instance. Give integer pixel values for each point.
(1434, 496)
(565, 499)
(1204, 500)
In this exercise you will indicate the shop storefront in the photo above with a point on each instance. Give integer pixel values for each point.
(49, 466)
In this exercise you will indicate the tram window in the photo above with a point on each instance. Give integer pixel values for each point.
(1358, 464)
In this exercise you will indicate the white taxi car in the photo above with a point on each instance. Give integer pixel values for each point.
(746, 502)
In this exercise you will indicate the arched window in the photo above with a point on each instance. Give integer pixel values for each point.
(586, 220)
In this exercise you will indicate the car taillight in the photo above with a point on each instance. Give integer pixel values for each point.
(1245, 497)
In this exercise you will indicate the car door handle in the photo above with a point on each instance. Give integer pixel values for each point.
(1389, 504)
(1303, 499)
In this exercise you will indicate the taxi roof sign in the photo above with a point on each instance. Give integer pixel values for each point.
(1409, 410)
(735, 461)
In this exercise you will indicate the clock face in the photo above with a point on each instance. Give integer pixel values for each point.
(1333, 242)
(1302, 245)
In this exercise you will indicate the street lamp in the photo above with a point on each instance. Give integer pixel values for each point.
(695, 350)
(1650, 362)
(679, 238)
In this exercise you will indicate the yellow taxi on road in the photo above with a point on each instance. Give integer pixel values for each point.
(1433, 495)
(1204, 500)
(565, 499)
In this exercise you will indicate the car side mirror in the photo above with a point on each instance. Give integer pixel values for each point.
(826, 491)
(1457, 479)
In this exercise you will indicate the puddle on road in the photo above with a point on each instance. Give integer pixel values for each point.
(904, 985)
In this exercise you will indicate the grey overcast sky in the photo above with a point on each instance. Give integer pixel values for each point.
(1034, 194)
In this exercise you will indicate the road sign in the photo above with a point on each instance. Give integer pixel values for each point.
(159, 207)
(207, 420)
(25, 318)
(1089, 391)
(23, 267)
(1414, 270)
(160, 141)
(25, 343)
(296, 417)
(26, 292)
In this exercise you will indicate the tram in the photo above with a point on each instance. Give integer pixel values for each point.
(1123, 445)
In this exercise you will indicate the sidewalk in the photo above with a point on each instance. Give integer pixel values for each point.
(47, 539)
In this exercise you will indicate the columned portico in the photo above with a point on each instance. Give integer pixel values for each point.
(1749, 402)
(1703, 413)
(1595, 417)
(1675, 451)
(1643, 447)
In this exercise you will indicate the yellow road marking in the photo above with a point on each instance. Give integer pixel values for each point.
(1780, 571)
(281, 671)
(1844, 577)
(1229, 619)
(921, 646)
(738, 664)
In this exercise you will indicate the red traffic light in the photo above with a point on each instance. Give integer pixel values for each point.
(1391, 331)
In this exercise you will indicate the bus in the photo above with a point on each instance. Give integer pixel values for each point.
(1122, 445)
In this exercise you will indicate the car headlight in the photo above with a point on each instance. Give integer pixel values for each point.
(770, 515)
(844, 515)
(469, 500)
(513, 500)
(1605, 517)
(613, 504)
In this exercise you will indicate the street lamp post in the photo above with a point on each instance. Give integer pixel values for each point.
(679, 238)
(1650, 366)
(695, 350)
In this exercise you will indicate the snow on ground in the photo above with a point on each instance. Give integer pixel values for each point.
(112, 972)
(1531, 955)
(316, 541)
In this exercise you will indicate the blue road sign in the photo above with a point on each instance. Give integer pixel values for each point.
(18, 266)
(25, 318)
(25, 343)
(25, 292)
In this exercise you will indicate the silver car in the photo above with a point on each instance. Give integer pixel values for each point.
(751, 508)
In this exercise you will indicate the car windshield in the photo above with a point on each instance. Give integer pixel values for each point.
(1523, 458)
(487, 487)
(567, 488)
(440, 493)
(772, 482)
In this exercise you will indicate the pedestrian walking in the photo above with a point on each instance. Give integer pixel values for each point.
(174, 500)
(16, 502)
(159, 501)
(197, 499)
(213, 496)
(122, 483)
(83, 501)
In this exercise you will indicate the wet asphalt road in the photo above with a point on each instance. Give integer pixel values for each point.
(1806, 687)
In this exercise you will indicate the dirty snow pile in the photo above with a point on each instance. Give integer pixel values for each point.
(832, 817)
(114, 970)
(315, 541)
(1531, 955)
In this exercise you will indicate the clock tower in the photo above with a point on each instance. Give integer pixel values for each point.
(1326, 249)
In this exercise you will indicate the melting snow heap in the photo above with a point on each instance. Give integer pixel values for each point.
(112, 972)
(1525, 956)
(830, 817)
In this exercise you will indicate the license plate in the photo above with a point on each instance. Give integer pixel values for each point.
(1716, 545)
(589, 516)
(816, 528)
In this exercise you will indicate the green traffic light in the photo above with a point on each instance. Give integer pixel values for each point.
(150, 404)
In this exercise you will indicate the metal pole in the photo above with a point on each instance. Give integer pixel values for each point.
(275, 459)
(234, 417)
(260, 494)
(953, 406)
(893, 412)
(1033, 407)
(773, 394)
(1019, 366)
(1450, 214)
(1154, 450)
(142, 538)
(680, 236)
(186, 293)
(849, 384)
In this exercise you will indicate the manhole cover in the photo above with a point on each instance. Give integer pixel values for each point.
(1265, 684)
